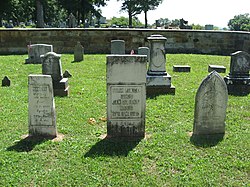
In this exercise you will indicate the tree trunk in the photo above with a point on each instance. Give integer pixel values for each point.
(39, 14)
(146, 19)
(130, 19)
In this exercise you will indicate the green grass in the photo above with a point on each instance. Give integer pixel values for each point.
(167, 157)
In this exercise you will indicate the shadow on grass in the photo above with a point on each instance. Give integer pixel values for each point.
(28, 143)
(206, 140)
(112, 147)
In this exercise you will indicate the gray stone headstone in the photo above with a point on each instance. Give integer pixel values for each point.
(78, 52)
(210, 106)
(158, 80)
(238, 80)
(6, 81)
(51, 65)
(118, 47)
(67, 74)
(42, 114)
(35, 51)
(126, 94)
(144, 51)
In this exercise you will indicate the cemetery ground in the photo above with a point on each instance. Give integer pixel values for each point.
(166, 157)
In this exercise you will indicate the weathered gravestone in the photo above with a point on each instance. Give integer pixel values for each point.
(42, 114)
(67, 74)
(219, 69)
(6, 81)
(71, 21)
(181, 68)
(238, 80)
(52, 66)
(126, 96)
(210, 106)
(158, 80)
(35, 51)
(144, 51)
(78, 52)
(118, 47)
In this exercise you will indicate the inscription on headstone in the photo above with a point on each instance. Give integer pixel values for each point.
(210, 106)
(118, 47)
(126, 94)
(42, 115)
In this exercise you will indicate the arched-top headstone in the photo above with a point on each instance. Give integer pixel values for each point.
(210, 106)
(240, 64)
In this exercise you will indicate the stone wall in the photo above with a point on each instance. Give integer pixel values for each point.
(95, 40)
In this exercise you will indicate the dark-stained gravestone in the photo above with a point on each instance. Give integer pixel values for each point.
(118, 47)
(35, 51)
(210, 106)
(181, 68)
(52, 66)
(219, 69)
(78, 52)
(238, 80)
(126, 96)
(144, 51)
(158, 80)
(6, 81)
(42, 114)
(67, 74)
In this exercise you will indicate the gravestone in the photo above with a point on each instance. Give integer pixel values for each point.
(219, 69)
(78, 52)
(181, 68)
(238, 80)
(144, 51)
(5, 81)
(35, 51)
(67, 74)
(42, 114)
(72, 21)
(158, 80)
(118, 47)
(210, 106)
(126, 96)
(52, 66)
(209, 27)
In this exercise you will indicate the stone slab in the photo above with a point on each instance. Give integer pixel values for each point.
(181, 68)
(219, 69)
(152, 91)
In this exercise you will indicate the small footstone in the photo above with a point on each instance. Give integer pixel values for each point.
(181, 68)
(219, 69)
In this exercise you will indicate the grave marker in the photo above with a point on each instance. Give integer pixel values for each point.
(126, 95)
(181, 68)
(78, 52)
(35, 51)
(219, 69)
(118, 47)
(52, 66)
(5, 81)
(42, 115)
(144, 51)
(238, 80)
(210, 106)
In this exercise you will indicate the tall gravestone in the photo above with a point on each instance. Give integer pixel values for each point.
(42, 115)
(126, 96)
(210, 106)
(144, 51)
(52, 66)
(118, 47)
(78, 52)
(158, 80)
(238, 80)
(35, 51)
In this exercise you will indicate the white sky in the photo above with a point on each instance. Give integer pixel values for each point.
(215, 12)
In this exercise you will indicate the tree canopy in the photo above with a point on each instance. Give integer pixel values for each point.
(240, 23)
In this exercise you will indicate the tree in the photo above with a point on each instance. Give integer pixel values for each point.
(133, 8)
(148, 5)
(124, 22)
(240, 23)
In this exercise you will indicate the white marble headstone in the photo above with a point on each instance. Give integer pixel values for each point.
(126, 95)
(42, 115)
(35, 51)
(210, 106)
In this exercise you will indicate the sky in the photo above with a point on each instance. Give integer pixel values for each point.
(215, 12)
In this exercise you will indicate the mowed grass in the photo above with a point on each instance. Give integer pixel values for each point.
(166, 157)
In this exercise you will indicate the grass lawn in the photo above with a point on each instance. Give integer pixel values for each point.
(166, 157)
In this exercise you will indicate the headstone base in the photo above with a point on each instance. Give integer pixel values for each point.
(219, 69)
(181, 68)
(237, 86)
(61, 88)
(42, 131)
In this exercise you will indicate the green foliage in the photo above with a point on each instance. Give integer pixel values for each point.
(197, 27)
(240, 23)
(166, 157)
(124, 22)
